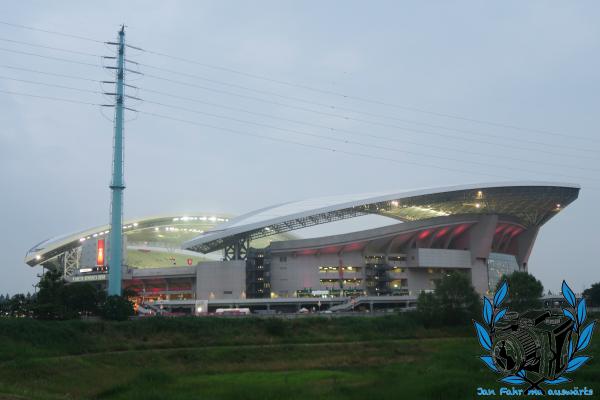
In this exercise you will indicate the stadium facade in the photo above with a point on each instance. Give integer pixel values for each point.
(483, 230)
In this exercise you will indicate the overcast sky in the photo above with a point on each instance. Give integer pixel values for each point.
(528, 64)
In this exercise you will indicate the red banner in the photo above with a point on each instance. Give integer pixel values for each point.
(100, 253)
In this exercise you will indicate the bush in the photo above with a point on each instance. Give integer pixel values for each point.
(453, 303)
(275, 326)
(592, 295)
(524, 291)
(117, 308)
(58, 300)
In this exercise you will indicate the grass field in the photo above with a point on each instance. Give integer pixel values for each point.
(159, 259)
(245, 358)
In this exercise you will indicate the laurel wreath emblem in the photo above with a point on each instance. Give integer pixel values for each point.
(493, 312)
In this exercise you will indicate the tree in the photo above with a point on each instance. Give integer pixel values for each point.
(524, 291)
(49, 302)
(592, 295)
(117, 308)
(58, 300)
(454, 302)
(82, 299)
(18, 306)
(428, 309)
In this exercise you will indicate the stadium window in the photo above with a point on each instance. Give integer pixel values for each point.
(283, 259)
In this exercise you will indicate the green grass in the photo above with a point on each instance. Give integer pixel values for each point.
(159, 259)
(245, 358)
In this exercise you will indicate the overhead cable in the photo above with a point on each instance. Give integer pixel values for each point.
(317, 90)
(357, 143)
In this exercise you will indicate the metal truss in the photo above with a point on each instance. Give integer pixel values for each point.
(229, 244)
(236, 250)
(70, 261)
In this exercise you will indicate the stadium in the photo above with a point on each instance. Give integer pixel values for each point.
(257, 261)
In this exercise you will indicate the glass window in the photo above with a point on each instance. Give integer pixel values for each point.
(499, 265)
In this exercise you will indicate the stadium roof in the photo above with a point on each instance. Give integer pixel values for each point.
(194, 223)
(531, 203)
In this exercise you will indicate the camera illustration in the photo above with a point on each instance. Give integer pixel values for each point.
(535, 341)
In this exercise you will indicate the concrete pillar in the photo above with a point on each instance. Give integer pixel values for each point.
(481, 236)
(525, 243)
(479, 241)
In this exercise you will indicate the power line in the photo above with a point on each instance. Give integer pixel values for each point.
(305, 133)
(51, 32)
(369, 156)
(562, 147)
(50, 85)
(352, 142)
(48, 73)
(244, 133)
(372, 101)
(83, 53)
(50, 57)
(346, 118)
(252, 134)
(335, 150)
(317, 125)
(362, 134)
(50, 98)
(290, 130)
(286, 105)
(317, 90)
(398, 127)
(351, 110)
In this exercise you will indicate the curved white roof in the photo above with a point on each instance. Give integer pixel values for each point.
(275, 219)
(49, 248)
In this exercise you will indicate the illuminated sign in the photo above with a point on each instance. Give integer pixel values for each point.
(100, 253)
(88, 278)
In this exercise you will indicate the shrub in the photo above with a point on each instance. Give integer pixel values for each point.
(454, 302)
(117, 308)
(525, 291)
